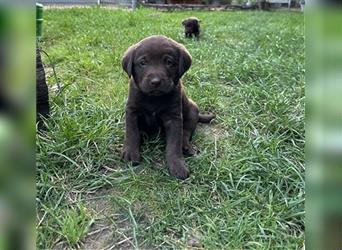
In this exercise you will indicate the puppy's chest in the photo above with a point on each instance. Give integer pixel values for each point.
(155, 106)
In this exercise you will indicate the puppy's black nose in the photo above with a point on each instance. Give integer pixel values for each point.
(155, 82)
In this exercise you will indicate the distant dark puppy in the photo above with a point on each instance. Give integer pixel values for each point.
(191, 27)
(157, 102)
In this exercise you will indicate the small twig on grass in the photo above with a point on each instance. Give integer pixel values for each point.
(98, 230)
(108, 168)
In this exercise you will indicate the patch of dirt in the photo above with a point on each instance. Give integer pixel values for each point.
(100, 237)
(194, 242)
(100, 202)
(108, 221)
(113, 227)
(213, 131)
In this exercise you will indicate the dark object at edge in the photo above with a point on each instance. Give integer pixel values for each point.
(43, 107)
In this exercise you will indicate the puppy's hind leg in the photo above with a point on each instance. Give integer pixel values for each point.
(190, 120)
(197, 36)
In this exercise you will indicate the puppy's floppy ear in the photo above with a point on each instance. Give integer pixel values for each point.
(127, 60)
(184, 60)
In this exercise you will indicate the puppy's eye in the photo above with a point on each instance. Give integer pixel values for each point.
(142, 63)
(169, 62)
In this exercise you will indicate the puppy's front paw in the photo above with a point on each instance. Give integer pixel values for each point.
(179, 170)
(131, 155)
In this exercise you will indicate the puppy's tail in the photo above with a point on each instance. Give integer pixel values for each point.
(205, 118)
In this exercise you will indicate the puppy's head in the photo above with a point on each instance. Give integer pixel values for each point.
(156, 64)
(190, 24)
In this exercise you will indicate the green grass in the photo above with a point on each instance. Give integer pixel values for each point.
(246, 190)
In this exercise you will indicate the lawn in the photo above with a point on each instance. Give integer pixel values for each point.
(246, 190)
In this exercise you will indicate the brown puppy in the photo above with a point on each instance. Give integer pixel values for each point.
(191, 26)
(157, 102)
